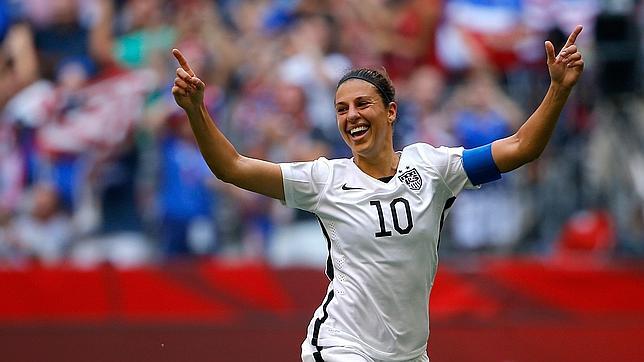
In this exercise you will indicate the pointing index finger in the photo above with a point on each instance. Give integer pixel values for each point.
(573, 36)
(183, 62)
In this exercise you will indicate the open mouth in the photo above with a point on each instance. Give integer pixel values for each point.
(358, 132)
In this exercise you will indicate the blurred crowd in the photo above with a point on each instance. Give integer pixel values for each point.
(98, 164)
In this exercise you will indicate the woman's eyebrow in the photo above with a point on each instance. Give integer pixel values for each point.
(364, 98)
(358, 98)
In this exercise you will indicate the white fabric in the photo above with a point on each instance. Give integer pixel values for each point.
(343, 354)
(381, 285)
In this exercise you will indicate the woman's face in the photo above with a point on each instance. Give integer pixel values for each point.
(365, 124)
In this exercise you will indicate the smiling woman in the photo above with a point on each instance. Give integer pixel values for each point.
(382, 210)
(366, 112)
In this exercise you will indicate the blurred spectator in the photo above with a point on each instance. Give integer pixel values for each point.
(18, 69)
(423, 115)
(203, 35)
(61, 30)
(614, 167)
(118, 236)
(186, 198)
(285, 133)
(480, 34)
(619, 71)
(545, 18)
(12, 180)
(44, 230)
(315, 66)
(294, 138)
(144, 30)
(10, 251)
(483, 113)
(18, 64)
(401, 32)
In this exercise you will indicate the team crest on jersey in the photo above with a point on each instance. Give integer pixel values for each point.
(412, 179)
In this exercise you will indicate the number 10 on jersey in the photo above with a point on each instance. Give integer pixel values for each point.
(394, 213)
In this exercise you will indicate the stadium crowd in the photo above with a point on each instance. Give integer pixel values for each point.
(98, 164)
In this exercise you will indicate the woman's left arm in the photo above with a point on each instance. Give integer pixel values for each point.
(530, 140)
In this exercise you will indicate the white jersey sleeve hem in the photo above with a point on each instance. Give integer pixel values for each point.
(304, 183)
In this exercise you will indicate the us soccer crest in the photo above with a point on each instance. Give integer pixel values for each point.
(412, 179)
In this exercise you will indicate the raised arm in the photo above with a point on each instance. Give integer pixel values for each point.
(530, 140)
(224, 161)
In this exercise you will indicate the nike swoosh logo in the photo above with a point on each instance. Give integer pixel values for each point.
(345, 187)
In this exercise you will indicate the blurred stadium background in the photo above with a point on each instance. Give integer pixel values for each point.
(117, 244)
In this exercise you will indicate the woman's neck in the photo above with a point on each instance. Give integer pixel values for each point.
(383, 165)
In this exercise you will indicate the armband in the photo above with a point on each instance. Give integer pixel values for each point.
(479, 165)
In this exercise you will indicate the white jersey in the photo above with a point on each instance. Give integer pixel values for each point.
(383, 246)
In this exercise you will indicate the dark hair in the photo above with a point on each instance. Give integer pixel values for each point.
(378, 78)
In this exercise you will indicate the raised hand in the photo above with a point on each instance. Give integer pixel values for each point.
(566, 67)
(187, 90)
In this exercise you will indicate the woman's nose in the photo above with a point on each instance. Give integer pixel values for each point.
(352, 113)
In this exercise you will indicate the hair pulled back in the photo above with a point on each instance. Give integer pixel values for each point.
(378, 78)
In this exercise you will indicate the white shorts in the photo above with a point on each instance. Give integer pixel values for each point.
(343, 354)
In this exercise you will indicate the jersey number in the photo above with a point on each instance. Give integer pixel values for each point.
(394, 213)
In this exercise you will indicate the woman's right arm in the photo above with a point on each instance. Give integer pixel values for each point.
(221, 156)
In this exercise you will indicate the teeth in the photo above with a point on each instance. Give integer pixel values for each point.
(358, 129)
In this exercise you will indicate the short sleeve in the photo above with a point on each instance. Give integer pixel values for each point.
(448, 163)
(454, 173)
(304, 183)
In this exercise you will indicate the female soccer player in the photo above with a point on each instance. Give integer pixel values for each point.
(380, 211)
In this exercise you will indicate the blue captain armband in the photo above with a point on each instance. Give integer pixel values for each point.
(479, 165)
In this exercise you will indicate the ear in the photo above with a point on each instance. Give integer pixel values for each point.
(392, 112)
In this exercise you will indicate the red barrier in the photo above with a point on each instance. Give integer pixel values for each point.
(514, 310)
